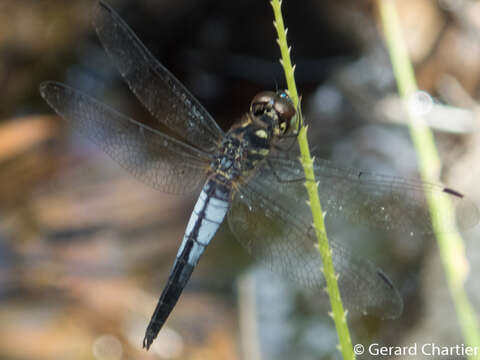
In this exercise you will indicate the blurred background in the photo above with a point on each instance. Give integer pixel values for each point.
(85, 249)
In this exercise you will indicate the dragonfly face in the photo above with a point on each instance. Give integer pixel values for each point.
(279, 109)
(262, 193)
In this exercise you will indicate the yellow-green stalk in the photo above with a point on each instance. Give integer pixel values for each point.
(338, 313)
(452, 250)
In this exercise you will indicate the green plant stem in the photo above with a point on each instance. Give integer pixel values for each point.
(450, 244)
(338, 313)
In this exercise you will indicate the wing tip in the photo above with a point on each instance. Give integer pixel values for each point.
(49, 90)
(44, 85)
(103, 5)
(453, 192)
(46, 89)
(100, 10)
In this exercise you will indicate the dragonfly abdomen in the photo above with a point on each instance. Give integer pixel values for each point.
(207, 216)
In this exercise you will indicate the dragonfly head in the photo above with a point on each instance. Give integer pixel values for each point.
(274, 103)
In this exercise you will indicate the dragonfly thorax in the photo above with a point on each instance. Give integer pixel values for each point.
(238, 154)
(249, 141)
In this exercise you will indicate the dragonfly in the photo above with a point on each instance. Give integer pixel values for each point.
(246, 176)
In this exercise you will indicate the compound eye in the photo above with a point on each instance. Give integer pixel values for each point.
(262, 102)
(285, 110)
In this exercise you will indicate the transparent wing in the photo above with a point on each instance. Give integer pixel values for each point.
(155, 158)
(274, 226)
(156, 88)
(380, 201)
